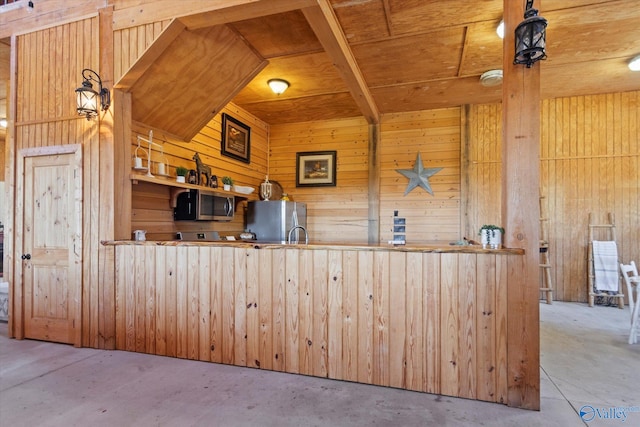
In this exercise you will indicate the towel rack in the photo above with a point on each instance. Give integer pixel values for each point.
(607, 232)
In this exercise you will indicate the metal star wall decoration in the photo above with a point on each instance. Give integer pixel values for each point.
(418, 176)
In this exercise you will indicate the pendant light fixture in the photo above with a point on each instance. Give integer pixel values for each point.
(87, 97)
(530, 37)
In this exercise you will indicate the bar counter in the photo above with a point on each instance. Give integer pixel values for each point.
(430, 318)
(436, 247)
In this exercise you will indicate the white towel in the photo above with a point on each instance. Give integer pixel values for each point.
(605, 265)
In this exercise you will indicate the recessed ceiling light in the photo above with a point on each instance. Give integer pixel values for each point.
(634, 64)
(500, 29)
(491, 78)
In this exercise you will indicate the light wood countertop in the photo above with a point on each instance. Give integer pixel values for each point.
(436, 247)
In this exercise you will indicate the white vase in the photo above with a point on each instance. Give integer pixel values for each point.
(180, 178)
(491, 239)
(226, 187)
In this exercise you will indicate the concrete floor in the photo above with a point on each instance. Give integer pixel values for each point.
(585, 360)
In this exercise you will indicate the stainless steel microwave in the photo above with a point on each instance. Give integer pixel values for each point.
(202, 205)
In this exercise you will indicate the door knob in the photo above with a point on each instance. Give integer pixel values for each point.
(26, 256)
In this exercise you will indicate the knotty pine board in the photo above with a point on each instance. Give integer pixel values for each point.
(428, 322)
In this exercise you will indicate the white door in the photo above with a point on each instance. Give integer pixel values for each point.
(49, 248)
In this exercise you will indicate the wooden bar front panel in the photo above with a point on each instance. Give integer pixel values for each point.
(428, 322)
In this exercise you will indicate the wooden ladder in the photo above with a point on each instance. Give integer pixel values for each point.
(607, 230)
(545, 265)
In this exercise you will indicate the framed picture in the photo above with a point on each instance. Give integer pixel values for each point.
(316, 169)
(236, 139)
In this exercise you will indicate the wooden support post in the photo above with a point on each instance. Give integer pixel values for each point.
(374, 184)
(16, 326)
(103, 323)
(520, 215)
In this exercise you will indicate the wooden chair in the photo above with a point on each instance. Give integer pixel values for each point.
(632, 279)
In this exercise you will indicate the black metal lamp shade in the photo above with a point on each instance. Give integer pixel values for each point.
(87, 97)
(530, 37)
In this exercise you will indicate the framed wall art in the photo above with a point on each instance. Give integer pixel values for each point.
(236, 139)
(316, 169)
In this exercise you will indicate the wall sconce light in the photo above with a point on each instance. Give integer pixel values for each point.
(530, 37)
(634, 64)
(3, 122)
(87, 97)
(500, 29)
(278, 86)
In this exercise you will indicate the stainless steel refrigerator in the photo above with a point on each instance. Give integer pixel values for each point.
(271, 221)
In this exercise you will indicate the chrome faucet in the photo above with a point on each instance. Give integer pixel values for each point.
(306, 235)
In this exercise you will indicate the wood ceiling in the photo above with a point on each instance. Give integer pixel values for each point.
(425, 54)
(347, 58)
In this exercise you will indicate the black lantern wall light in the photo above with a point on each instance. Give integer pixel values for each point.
(87, 96)
(530, 37)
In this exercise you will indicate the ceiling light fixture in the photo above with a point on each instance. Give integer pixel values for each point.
(278, 86)
(634, 64)
(87, 97)
(530, 37)
(500, 29)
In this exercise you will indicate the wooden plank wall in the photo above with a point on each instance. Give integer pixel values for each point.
(5, 54)
(435, 135)
(339, 214)
(130, 43)
(428, 322)
(46, 14)
(482, 156)
(49, 64)
(334, 214)
(590, 163)
(2, 156)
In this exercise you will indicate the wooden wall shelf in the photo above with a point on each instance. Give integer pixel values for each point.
(171, 182)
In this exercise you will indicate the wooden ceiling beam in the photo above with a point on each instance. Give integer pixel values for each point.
(387, 17)
(196, 14)
(325, 25)
(244, 12)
